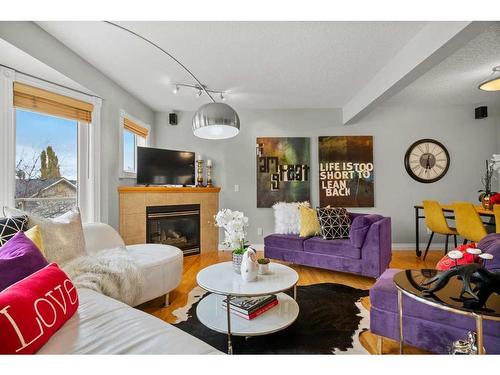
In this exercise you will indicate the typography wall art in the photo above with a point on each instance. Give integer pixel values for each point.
(346, 171)
(283, 170)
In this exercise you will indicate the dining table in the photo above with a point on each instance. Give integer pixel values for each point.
(449, 214)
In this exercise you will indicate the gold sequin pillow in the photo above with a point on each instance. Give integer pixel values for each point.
(309, 223)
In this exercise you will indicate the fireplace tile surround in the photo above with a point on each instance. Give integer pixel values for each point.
(134, 200)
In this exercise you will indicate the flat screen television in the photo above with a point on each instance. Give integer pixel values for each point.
(156, 166)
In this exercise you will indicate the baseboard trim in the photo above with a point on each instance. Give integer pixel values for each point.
(409, 246)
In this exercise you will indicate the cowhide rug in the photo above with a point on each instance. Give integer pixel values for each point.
(330, 321)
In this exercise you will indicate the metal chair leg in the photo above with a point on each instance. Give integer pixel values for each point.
(465, 241)
(446, 244)
(428, 245)
(455, 238)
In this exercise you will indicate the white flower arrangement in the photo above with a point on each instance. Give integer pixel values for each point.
(235, 225)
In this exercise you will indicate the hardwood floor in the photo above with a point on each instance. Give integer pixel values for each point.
(307, 275)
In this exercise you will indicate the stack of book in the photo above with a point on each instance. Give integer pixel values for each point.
(251, 307)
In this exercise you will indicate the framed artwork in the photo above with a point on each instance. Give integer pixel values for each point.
(346, 171)
(283, 170)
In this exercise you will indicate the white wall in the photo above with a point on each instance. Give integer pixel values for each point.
(32, 39)
(394, 128)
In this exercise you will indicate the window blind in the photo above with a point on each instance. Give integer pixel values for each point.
(39, 100)
(135, 128)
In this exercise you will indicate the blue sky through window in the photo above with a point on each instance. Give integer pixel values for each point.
(36, 131)
(128, 151)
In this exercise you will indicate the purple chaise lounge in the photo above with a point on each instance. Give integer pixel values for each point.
(367, 252)
(424, 326)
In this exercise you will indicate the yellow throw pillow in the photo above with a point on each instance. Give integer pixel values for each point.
(35, 235)
(309, 223)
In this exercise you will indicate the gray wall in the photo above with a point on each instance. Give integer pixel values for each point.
(32, 39)
(394, 128)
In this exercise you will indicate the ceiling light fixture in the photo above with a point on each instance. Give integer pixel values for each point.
(176, 89)
(211, 121)
(492, 83)
(198, 94)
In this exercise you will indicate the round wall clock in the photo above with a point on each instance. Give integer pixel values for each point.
(427, 160)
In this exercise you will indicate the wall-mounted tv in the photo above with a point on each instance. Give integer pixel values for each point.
(156, 166)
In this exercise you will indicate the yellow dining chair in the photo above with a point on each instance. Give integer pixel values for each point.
(496, 210)
(468, 222)
(436, 222)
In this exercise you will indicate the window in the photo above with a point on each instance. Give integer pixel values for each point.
(133, 134)
(46, 163)
(50, 147)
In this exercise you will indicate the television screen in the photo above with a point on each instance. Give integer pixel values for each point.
(156, 166)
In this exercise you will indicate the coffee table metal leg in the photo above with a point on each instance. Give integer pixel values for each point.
(400, 311)
(479, 331)
(229, 343)
(295, 292)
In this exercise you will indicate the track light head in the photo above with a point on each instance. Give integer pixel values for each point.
(176, 89)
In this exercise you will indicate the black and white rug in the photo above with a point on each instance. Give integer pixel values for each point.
(330, 321)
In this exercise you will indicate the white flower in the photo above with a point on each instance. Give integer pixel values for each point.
(234, 224)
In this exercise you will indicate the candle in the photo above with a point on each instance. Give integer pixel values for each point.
(209, 163)
(199, 157)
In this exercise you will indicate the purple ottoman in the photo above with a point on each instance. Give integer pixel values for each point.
(424, 326)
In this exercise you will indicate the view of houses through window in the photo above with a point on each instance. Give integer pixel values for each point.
(46, 163)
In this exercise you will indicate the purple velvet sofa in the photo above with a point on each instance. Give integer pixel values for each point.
(366, 252)
(424, 326)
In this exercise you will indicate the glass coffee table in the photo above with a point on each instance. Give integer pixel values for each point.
(223, 282)
(410, 282)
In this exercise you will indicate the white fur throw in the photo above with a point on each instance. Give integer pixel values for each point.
(111, 272)
(286, 217)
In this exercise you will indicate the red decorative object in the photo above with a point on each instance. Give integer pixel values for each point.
(495, 199)
(33, 309)
(446, 262)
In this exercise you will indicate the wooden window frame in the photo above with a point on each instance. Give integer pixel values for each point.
(124, 117)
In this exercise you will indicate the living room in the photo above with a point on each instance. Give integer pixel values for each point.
(264, 185)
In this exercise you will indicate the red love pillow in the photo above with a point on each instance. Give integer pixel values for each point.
(446, 262)
(33, 309)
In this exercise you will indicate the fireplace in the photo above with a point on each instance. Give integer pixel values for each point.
(176, 225)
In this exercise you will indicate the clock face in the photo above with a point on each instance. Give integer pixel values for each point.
(427, 160)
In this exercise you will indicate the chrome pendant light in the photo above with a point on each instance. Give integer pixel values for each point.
(493, 82)
(211, 121)
(216, 121)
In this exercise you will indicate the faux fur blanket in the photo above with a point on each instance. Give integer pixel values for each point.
(111, 272)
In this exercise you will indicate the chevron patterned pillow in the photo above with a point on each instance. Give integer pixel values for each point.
(334, 222)
(9, 226)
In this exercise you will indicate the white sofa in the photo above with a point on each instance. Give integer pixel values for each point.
(103, 325)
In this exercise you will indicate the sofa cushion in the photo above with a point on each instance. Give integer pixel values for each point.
(103, 325)
(285, 241)
(19, 258)
(338, 248)
(359, 228)
(286, 217)
(491, 245)
(334, 222)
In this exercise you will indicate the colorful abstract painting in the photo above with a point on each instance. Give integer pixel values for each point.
(346, 171)
(283, 170)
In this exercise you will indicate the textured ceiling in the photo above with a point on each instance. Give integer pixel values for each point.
(455, 79)
(260, 64)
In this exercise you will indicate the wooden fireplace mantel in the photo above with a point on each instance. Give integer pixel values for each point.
(168, 189)
(135, 199)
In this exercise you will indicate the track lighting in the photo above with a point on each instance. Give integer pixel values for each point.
(176, 89)
(198, 94)
(222, 97)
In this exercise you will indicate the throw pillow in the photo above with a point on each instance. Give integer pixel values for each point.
(35, 235)
(334, 222)
(63, 238)
(359, 228)
(33, 309)
(9, 226)
(309, 224)
(286, 217)
(19, 258)
(446, 262)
